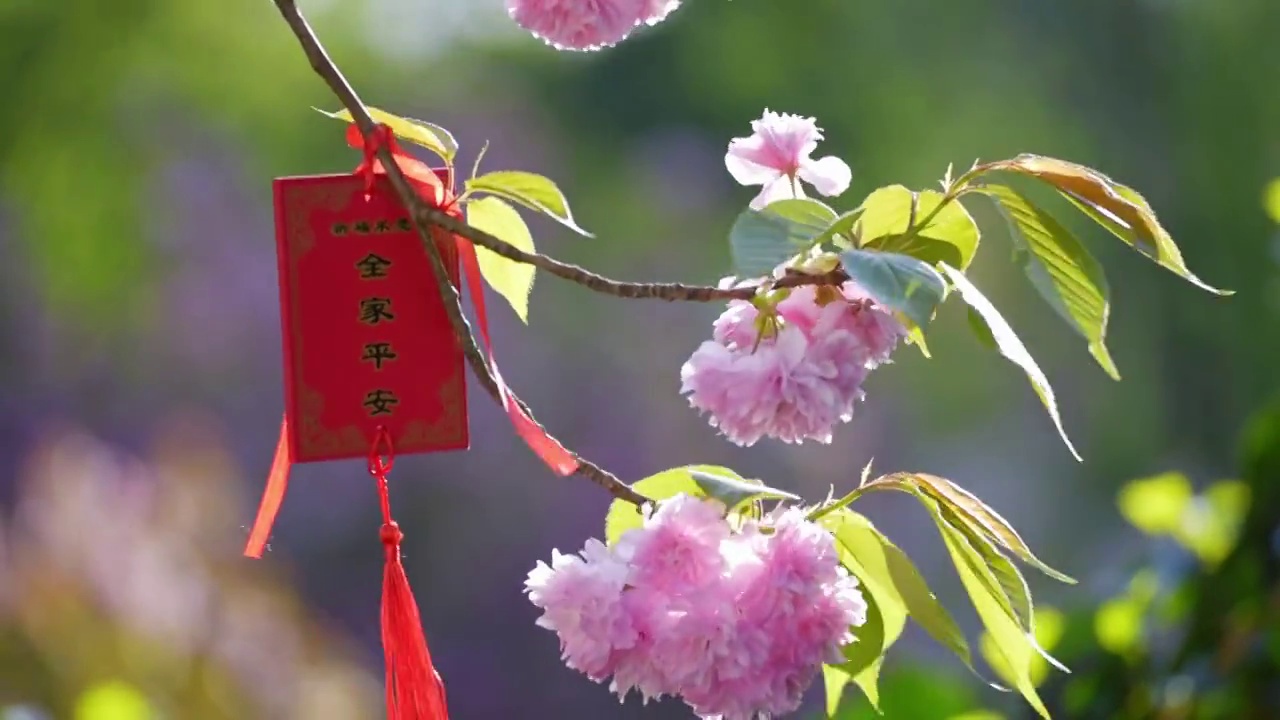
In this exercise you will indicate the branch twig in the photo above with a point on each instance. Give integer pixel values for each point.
(670, 292)
(425, 215)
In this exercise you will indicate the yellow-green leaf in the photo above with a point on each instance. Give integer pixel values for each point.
(1061, 269)
(915, 336)
(1116, 207)
(419, 132)
(1012, 645)
(972, 510)
(1211, 525)
(1118, 625)
(1010, 347)
(529, 189)
(862, 660)
(949, 236)
(512, 280)
(1156, 505)
(886, 618)
(624, 516)
(1049, 626)
(884, 564)
(1006, 586)
(114, 700)
(1271, 199)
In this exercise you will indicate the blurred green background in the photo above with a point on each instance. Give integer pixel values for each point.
(140, 372)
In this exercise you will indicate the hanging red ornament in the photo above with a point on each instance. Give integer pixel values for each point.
(372, 369)
(373, 366)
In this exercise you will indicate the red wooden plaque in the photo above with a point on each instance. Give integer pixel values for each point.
(367, 342)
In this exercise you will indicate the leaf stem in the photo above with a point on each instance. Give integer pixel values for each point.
(842, 502)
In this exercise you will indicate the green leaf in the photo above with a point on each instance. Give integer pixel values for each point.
(529, 189)
(1010, 591)
(1119, 624)
(949, 236)
(1011, 644)
(887, 566)
(733, 491)
(1156, 505)
(1060, 268)
(980, 329)
(624, 516)
(862, 660)
(886, 618)
(428, 135)
(113, 700)
(762, 239)
(1116, 207)
(841, 230)
(512, 280)
(1010, 347)
(898, 282)
(975, 513)
(1271, 199)
(915, 335)
(1211, 526)
(1050, 626)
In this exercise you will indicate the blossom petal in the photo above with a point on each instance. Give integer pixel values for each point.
(780, 188)
(749, 163)
(829, 176)
(657, 10)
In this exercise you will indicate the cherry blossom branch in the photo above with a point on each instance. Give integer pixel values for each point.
(670, 292)
(423, 216)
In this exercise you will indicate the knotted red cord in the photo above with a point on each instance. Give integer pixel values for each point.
(414, 688)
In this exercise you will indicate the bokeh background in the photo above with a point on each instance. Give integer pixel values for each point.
(140, 371)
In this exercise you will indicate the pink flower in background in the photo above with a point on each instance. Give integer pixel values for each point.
(737, 623)
(795, 382)
(656, 11)
(776, 156)
(586, 24)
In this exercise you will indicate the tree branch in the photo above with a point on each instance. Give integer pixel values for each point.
(424, 215)
(633, 290)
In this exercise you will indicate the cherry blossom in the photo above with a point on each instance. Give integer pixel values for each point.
(777, 156)
(793, 376)
(587, 24)
(737, 622)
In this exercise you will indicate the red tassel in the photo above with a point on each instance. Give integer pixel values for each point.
(414, 688)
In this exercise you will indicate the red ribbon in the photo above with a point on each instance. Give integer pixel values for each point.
(433, 191)
(414, 688)
(546, 447)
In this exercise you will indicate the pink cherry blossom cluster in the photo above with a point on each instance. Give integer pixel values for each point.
(795, 372)
(587, 24)
(737, 622)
